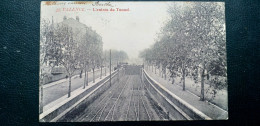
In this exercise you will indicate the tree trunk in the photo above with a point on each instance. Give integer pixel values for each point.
(210, 84)
(196, 75)
(101, 73)
(183, 79)
(165, 74)
(85, 78)
(105, 71)
(159, 71)
(162, 72)
(110, 68)
(202, 85)
(173, 80)
(93, 75)
(118, 74)
(141, 75)
(69, 86)
(80, 75)
(41, 98)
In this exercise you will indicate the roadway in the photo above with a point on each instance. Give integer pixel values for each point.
(54, 92)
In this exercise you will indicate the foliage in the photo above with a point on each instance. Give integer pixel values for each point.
(192, 43)
(71, 47)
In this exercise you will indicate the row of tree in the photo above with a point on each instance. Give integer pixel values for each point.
(117, 56)
(73, 46)
(192, 43)
(69, 47)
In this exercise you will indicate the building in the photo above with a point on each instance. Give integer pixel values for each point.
(82, 36)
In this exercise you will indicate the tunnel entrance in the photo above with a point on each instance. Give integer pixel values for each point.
(133, 69)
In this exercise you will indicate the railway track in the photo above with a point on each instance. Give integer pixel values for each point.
(137, 107)
(92, 109)
(126, 100)
(102, 113)
(144, 115)
(128, 108)
(114, 105)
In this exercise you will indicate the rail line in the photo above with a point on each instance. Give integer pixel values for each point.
(99, 104)
(142, 101)
(138, 96)
(103, 98)
(128, 99)
(112, 89)
(116, 102)
(105, 105)
(136, 110)
(132, 104)
(138, 104)
(128, 108)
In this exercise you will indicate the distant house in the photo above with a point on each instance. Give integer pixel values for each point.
(79, 30)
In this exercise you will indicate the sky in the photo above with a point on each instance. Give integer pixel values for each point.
(131, 31)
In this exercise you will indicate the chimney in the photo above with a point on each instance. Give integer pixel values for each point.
(77, 18)
(64, 18)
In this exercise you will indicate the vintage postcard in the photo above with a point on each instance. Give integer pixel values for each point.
(132, 61)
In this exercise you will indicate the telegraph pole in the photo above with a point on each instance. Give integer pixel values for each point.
(105, 64)
(117, 71)
(110, 68)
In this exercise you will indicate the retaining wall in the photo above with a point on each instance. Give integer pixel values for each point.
(177, 108)
(58, 112)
